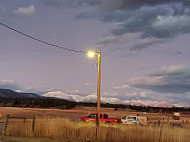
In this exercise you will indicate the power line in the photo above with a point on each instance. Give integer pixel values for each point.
(39, 40)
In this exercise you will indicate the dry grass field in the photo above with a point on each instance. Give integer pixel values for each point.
(59, 124)
(78, 131)
(75, 113)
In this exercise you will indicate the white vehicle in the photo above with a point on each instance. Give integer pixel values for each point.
(134, 120)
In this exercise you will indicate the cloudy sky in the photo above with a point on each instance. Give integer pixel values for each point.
(144, 43)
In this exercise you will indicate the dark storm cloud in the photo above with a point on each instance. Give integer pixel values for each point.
(133, 4)
(112, 4)
(128, 4)
(161, 19)
(154, 22)
(135, 21)
(173, 79)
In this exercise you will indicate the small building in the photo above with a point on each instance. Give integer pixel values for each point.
(176, 115)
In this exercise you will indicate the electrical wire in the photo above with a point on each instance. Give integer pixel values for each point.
(39, 40)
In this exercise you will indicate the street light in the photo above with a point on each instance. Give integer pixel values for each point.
(91, 54)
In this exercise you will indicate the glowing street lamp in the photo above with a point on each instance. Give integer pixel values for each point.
(91, 54)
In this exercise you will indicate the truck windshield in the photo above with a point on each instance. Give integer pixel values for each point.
(91, 116)
(131, 118)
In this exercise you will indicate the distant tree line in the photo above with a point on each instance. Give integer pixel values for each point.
(37, 103)
(139, 108)
(159, 109)
(64, 104)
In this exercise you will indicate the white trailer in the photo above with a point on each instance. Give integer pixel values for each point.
(134, 120)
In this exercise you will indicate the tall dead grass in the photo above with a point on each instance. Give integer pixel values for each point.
(78, 131)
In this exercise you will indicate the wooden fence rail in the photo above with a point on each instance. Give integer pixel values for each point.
(24, 119)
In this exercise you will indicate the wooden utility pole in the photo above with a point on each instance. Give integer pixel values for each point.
(91, 54)
(98, 97)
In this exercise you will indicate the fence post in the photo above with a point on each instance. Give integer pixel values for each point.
(5, 125)
(161, 129)
(33, 123)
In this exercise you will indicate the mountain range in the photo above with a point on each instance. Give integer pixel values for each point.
(7, 93)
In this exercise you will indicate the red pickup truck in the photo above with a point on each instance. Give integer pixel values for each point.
(103, 118)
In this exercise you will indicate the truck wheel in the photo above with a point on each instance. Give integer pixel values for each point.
(107, 122)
